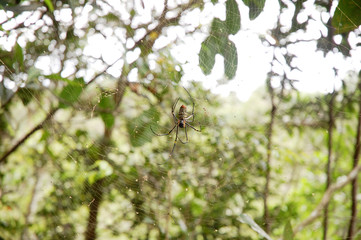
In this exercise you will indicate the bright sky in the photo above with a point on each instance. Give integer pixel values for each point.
(254, 58)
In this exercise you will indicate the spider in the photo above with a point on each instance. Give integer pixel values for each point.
(180, 122)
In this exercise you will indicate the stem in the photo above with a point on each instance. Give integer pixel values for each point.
(31, 208)
(331, 121)
(169, 192)
(350, 233)
(266, 218)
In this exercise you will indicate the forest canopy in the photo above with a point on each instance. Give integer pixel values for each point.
(234, 119)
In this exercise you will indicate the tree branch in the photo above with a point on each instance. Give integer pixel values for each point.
(327, 197)
(21, 141)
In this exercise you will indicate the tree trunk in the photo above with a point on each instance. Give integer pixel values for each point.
(96, 191)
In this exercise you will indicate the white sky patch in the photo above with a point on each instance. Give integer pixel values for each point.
(116, 69)
(48, 64)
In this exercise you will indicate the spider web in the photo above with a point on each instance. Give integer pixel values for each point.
(144, 193)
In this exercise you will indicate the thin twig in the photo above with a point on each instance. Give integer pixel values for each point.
(327, 197)
(22, 140)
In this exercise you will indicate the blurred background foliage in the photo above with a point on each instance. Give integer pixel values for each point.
(78, 159)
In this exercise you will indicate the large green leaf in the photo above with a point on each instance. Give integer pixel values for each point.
(139, 128)
(219, 30)
(255, 7)
(244, 218)
(233, 19)
(230, 59)
(207, 55)
(288, 232)
(218, 42)
(347, 16)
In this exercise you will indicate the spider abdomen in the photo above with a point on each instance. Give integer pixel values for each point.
(182, 114)
(181, 124)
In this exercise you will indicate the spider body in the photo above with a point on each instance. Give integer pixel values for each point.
(182, 116)
(180, 121)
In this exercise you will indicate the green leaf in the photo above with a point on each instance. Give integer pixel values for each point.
(49, 4)
(111, 17)
(347, 16)
(233, 19)
(108, 119)
(288, 232)
(219, 30)
(57, 77)
(19, 56)
(139, 127)
(25, 95)
(107, 105)
(230, 59)
(207, 55)
(255, 7)
(71, 93)
(244, 218)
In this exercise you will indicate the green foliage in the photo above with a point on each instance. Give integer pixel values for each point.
(100, 143)
(347, 16)
(218, 42)
(233, 17)
(231, 59)
(207, 55)
(255, 7)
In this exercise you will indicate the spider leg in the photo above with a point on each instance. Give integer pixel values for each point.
(175, 103)
(192, 127)
(192, 112)
(165, 133)
(175, 141)
(186, 137)
(173, 108)
(192, 102)
(192, 115)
